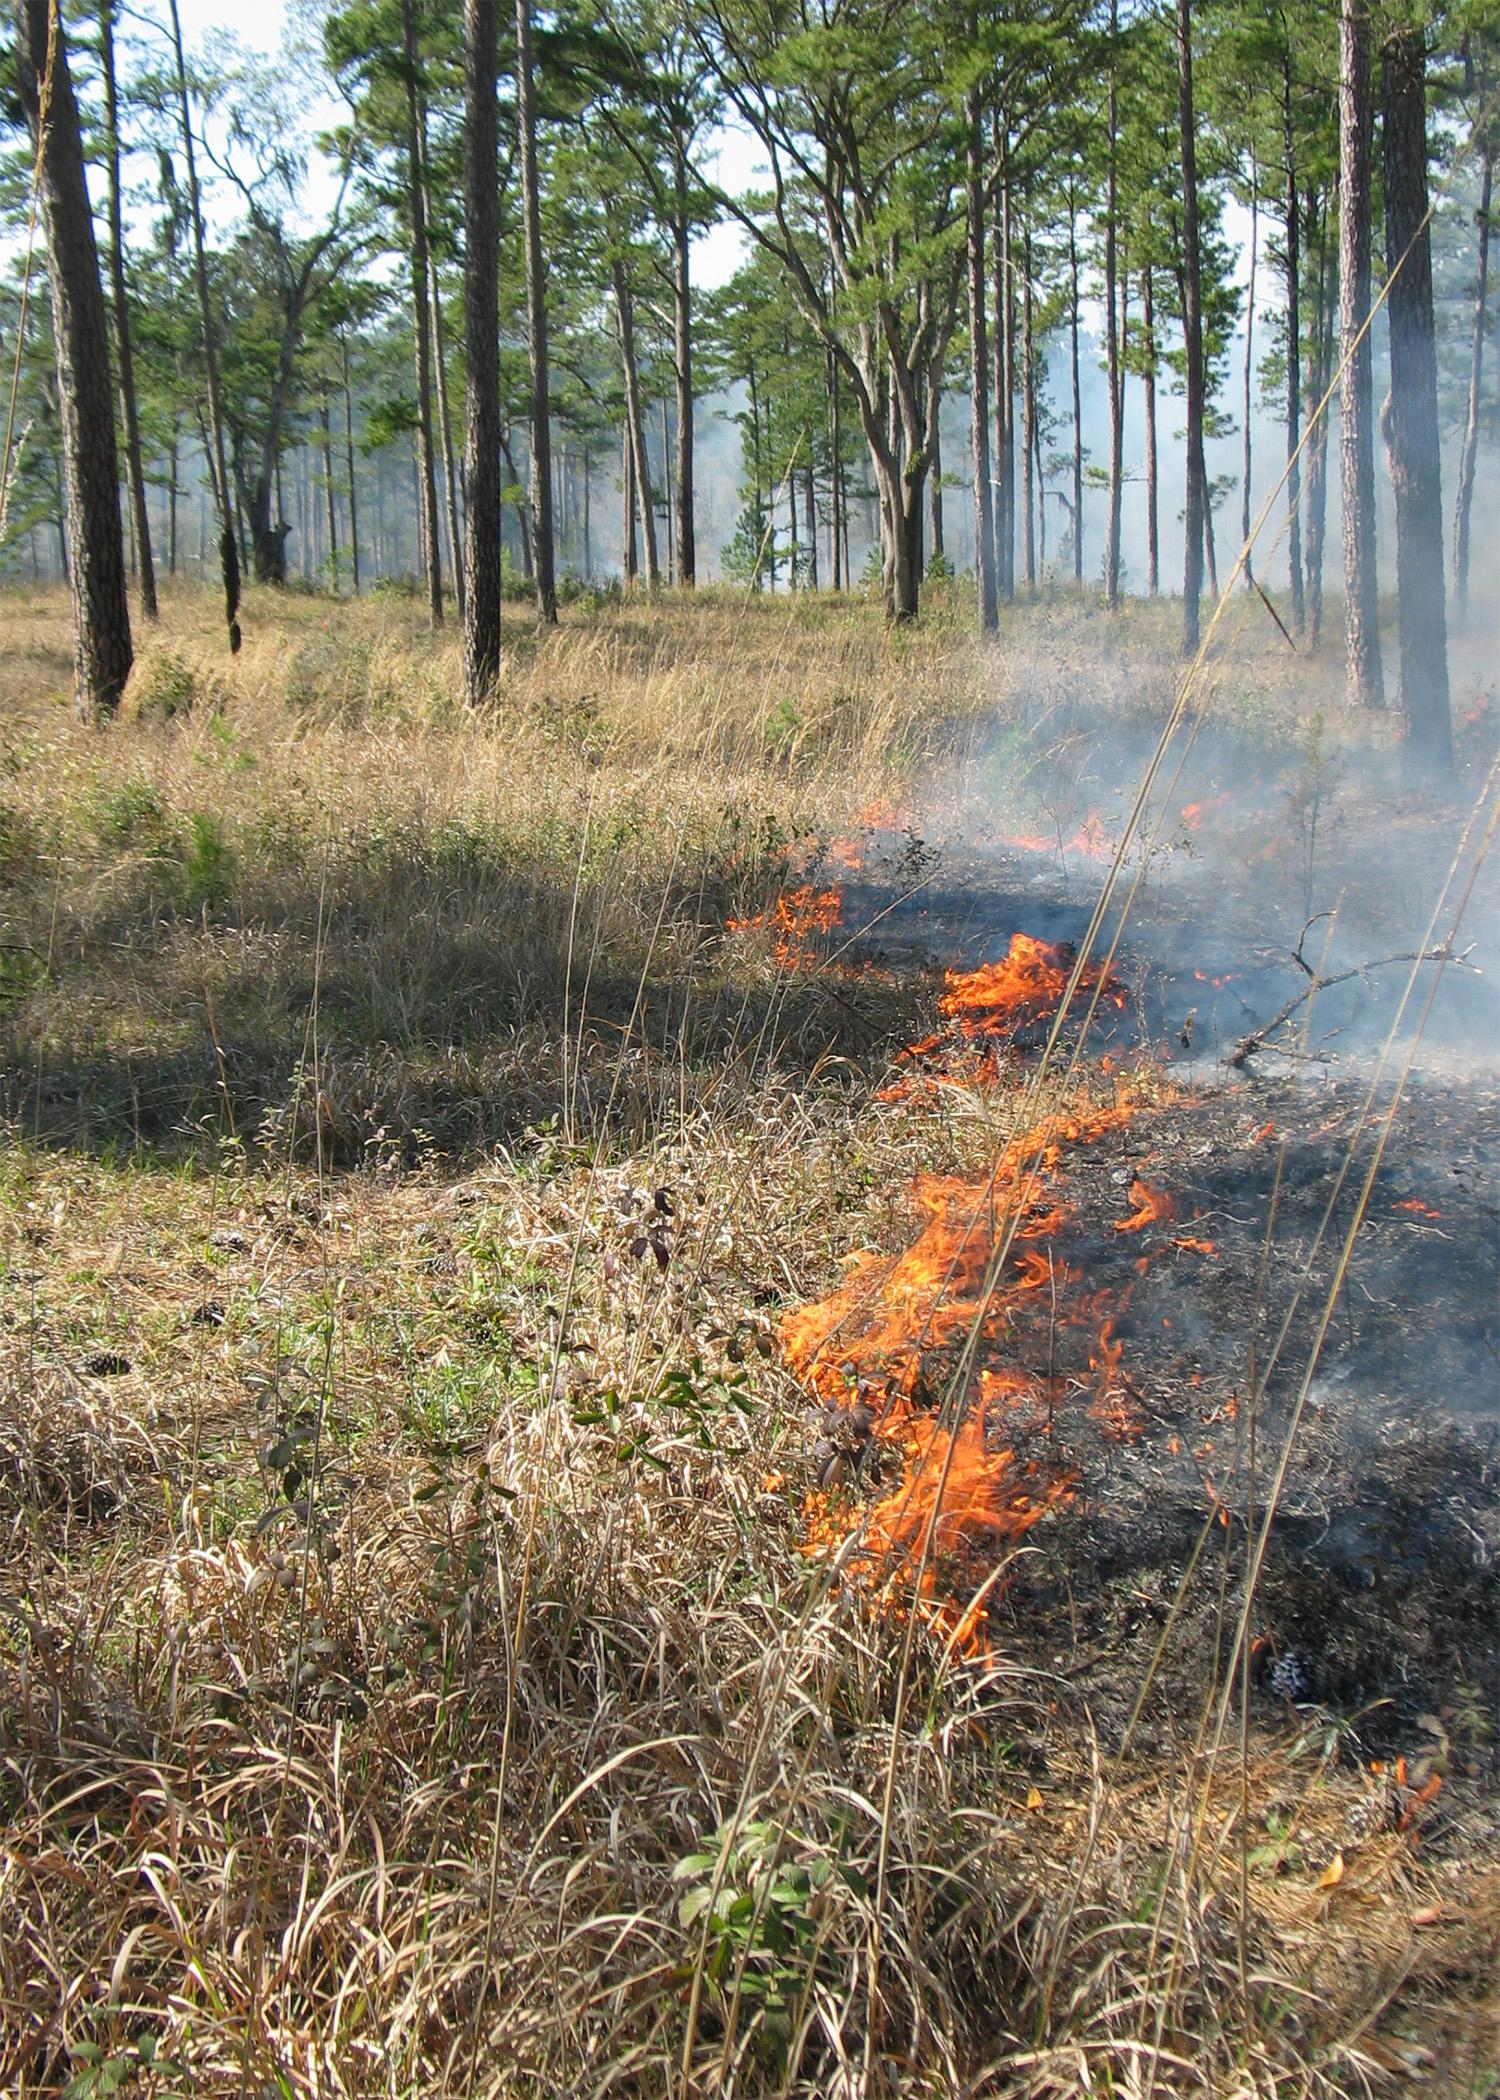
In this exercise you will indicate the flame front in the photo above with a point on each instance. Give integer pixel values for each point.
(949, 1353)
(796, 921)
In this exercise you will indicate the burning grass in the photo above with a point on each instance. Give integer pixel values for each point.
(438, 1651)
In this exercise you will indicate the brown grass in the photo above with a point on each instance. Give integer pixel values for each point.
(409, 1679)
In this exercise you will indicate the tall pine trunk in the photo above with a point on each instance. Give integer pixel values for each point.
(1194, 507)
(1029, 432)
(416, 176)
(1247, 510)
(1356, 405)
(229, 553)
(102, 651)
(1112, 331)
(682, 366)
(1464, 506)
(349, 462)
(1073, 296)
(979, 405)
(1291, 218)
(445, 432)
(1150, 462)
(543, 550)
(1410, 417)
(129, 416)
(635, 420)
(482, 344)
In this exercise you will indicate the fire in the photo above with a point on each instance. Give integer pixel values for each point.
(1417, 1208)
(1026, 985)
(796, 920)
(951, 1347)
(1193, 813)
(1152, 1207)
(1091, 841)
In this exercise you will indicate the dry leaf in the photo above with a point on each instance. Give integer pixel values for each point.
(1427, 1916)
(1034, 1798)
(1333, 1873)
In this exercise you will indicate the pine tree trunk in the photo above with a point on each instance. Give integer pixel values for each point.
(445, 430)
(1194, 507)
(349, 463)
(1112, 327)
(1247, 512)
(666, 475)
(1317, 469)
(130, 420)
(482, 539)
(634, 421)
(1077, 388)
(1410, 418)
(628, 561)
(1356, 406)
(543, 549)
(229, 551)
(330, 494)
(979, 405)
(1030, 437)
(101, 612)
(1463, 509)
(416, 176)
(1153, 488)
(1291, 220)
(682, 365)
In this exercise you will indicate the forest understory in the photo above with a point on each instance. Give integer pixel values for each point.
(698, 1398)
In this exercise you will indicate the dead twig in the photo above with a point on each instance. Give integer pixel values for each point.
(1247, 1046)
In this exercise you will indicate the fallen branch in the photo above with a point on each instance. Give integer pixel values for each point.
(1249, 1044)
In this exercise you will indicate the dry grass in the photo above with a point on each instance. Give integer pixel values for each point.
(409, 1678)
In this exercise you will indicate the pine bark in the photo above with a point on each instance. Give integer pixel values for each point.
(1463, 508)
(1366, 678)
(1410, 417)
(416, 174)
(1112, 327)
(1193, 509)
(129, 416)
(682, 363)
(635, 421)
(979, 417)
(1292, 224)
(96, 567)
(482, 563)
(229, 553)
(543, 545)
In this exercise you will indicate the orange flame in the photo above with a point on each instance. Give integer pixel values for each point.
(1152, 1207)
(796, 920)
(1024, 986)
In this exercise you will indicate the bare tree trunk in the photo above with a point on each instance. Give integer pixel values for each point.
(682, 365)
(666, 475)
(1153, 479)
(416, 169)
(1112, 326)
(229, 553)
(543, 549)
(102, 651)
(1410, 418)
(634, 422)
(1247, 513)
(979, 406)
(1193, 512)
(141, 522)
(1356, 407)
(811, 515)
(1463, 509)
(1317, 470)
(330, 499)
(1292, 227)
(1077, 388)
(482, 347)
(172, 492)
(1005, 380)
(628, 561)
(1029, 433)
(349, 462)
(445, 431)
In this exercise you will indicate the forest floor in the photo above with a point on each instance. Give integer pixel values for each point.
(497, 1214)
